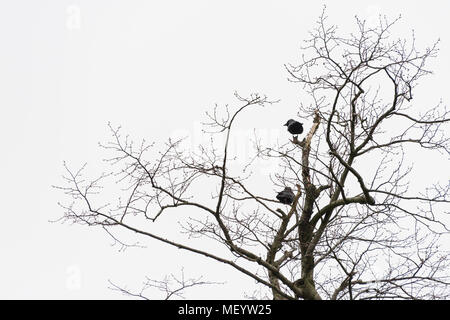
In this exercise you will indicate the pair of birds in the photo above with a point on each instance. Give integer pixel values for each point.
(287, 195)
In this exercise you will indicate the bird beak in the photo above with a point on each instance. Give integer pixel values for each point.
(285, 124)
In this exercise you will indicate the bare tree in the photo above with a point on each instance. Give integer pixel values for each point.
(354, 229)
(171, 286)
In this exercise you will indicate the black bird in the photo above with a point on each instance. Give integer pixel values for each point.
(294, 127)
(286, 196)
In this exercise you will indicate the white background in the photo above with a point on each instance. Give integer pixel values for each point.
(69, 67)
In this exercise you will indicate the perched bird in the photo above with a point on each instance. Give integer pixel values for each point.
(294, 127)
(286, 196)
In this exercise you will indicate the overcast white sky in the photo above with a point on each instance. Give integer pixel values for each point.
(69, 67)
